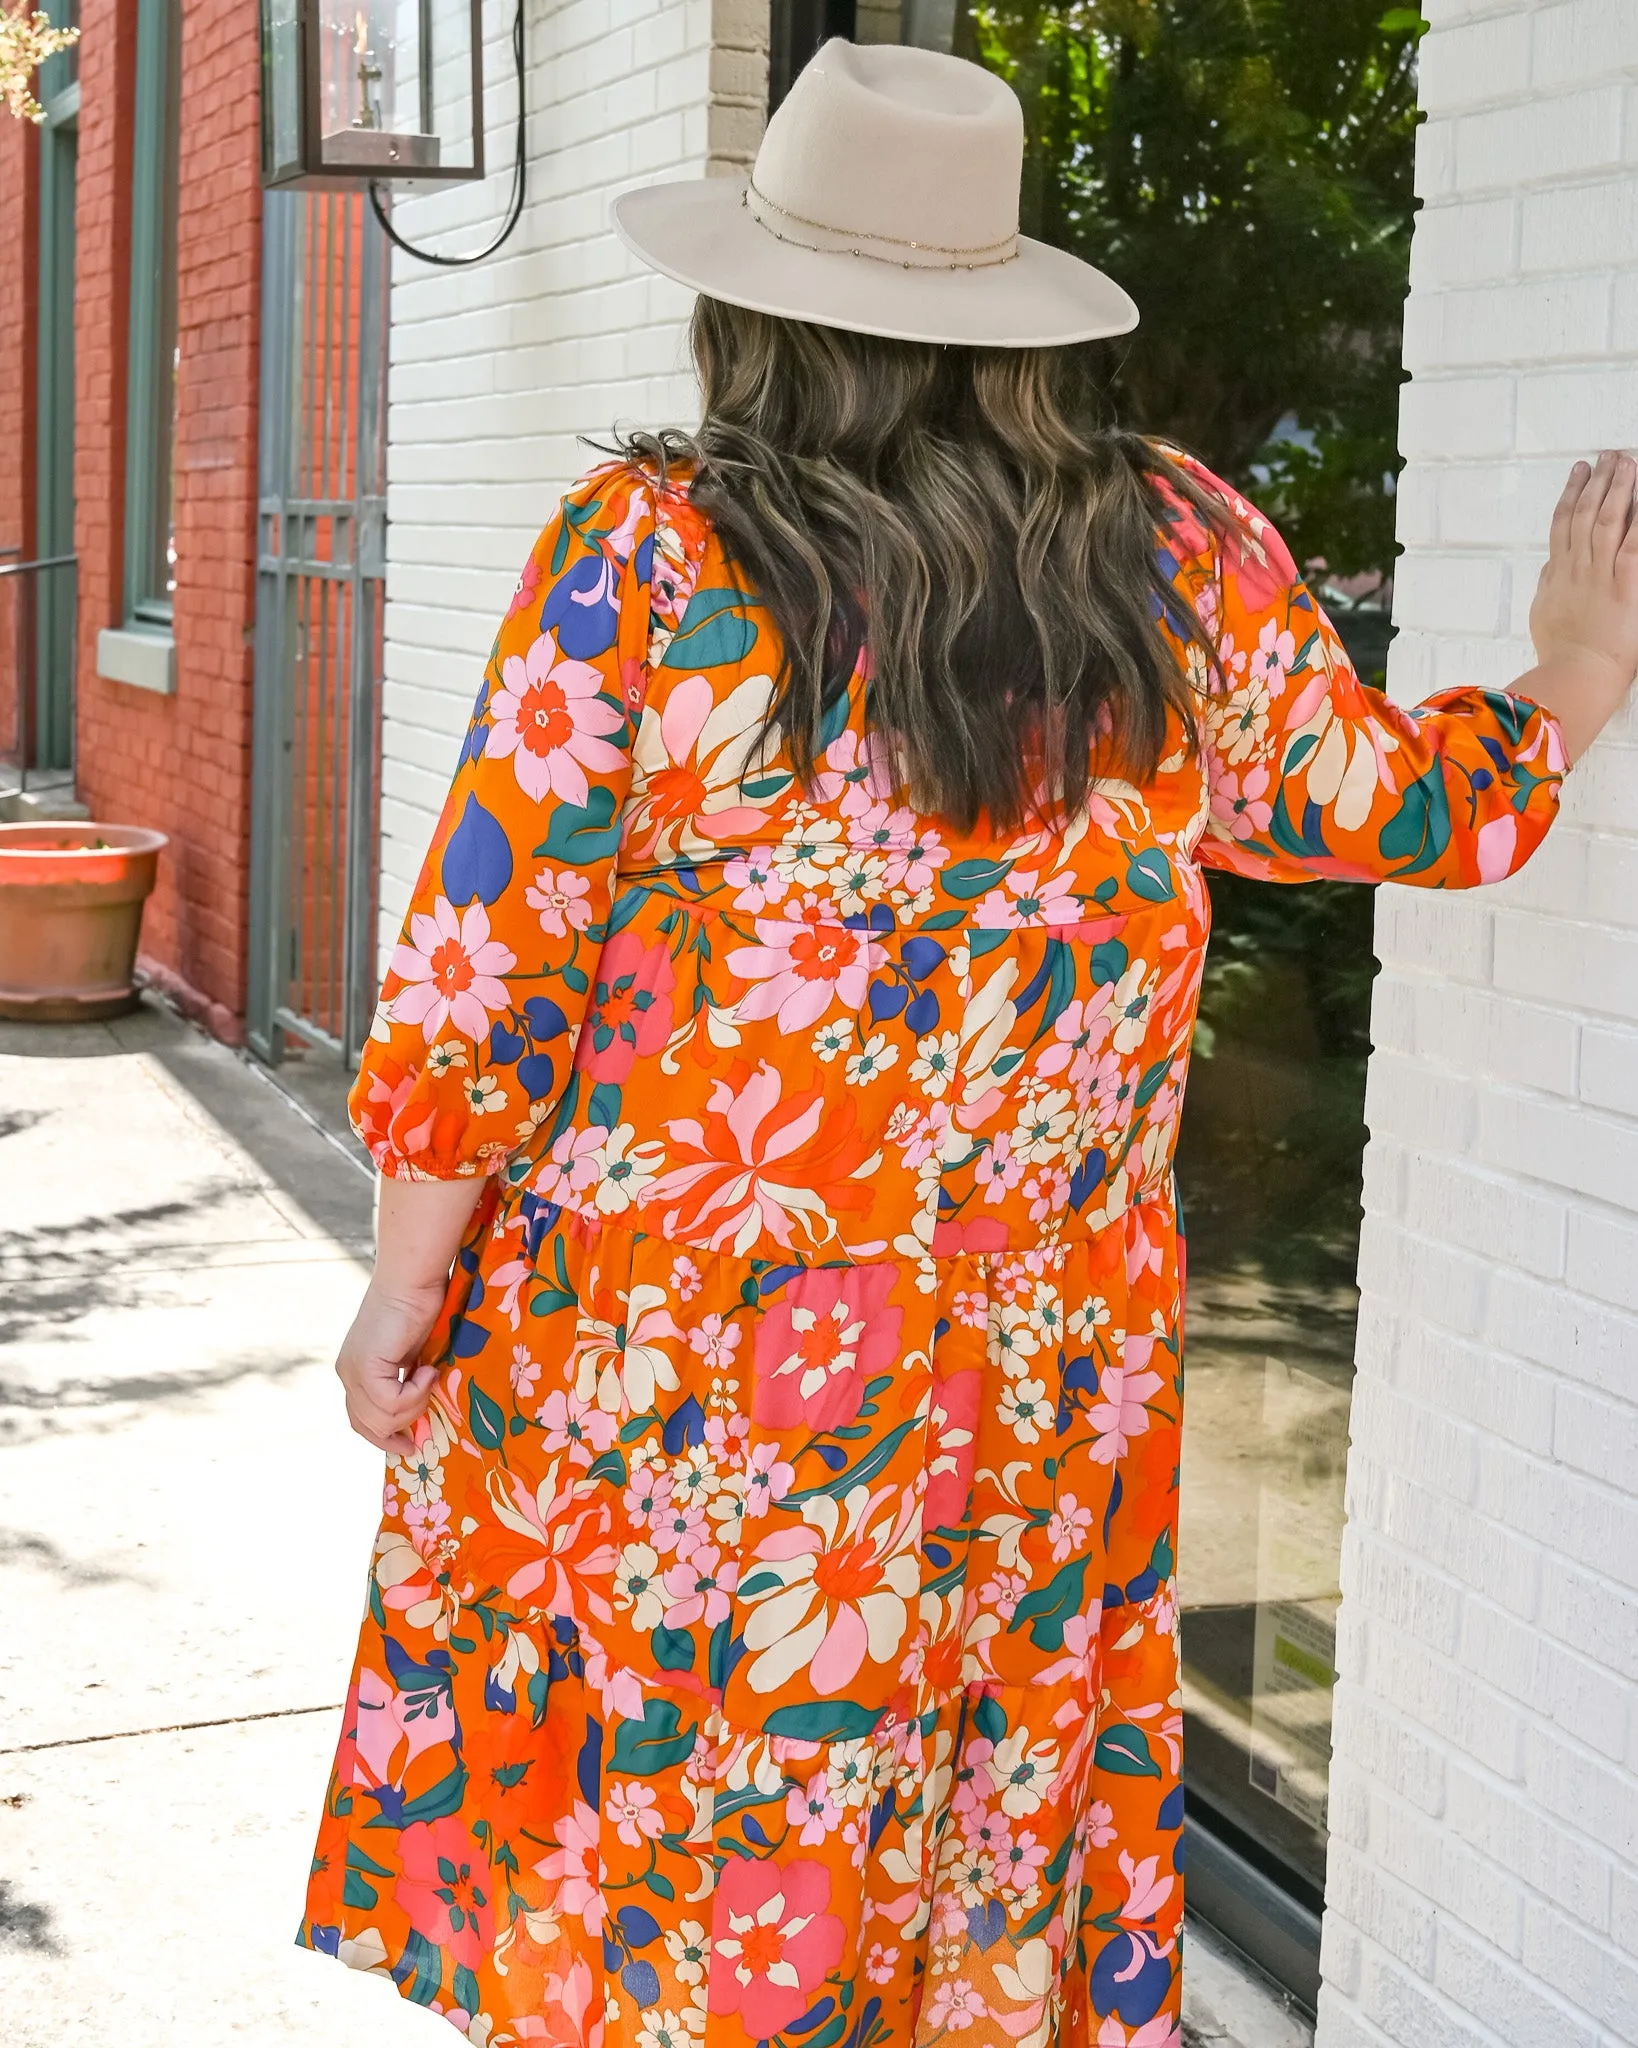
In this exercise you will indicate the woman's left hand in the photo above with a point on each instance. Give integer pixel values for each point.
(387, 1391)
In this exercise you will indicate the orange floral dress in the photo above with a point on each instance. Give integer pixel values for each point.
(774, 1638)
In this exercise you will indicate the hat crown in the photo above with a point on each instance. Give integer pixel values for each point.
(898, 147)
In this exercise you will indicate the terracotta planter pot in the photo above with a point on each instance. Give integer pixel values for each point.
(71, 898)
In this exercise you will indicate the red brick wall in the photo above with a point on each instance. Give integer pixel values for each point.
(182, 763)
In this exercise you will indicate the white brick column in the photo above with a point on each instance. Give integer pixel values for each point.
(1483, 1883)
(498, 370)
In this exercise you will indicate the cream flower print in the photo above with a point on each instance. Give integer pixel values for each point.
(831, 1039)
(484, 1095)
(936, 1064)
(878, 1055)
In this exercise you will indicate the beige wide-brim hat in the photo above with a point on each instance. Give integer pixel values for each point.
(884, 200)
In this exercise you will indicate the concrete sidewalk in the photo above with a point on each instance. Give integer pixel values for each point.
(185, 1523)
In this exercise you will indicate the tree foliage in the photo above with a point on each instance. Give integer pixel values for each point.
(26, 41)
(1243, 168)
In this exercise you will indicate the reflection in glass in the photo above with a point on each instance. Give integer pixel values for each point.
(1248, 179)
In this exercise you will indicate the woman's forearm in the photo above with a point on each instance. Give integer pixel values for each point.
(419, 1228)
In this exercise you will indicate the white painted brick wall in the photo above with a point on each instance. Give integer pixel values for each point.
(1483, 1883)
(497, 370)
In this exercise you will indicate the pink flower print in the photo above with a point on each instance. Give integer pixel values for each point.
(1047, 1194)
(573, 1166)
(1019, 1862)
(571, 2012)
(952, 1433)
(699, 1588)
(1241, 804)
(1160, 2032)
(648, 1497)
(1070, 1523)
(819, 1344)
(970, 1308)
(685, 1278)
(854, 775)
(879, 1963)
(1275, 656)
(630, 1014)
(577, 1868)
(562, 900)
(913, 866)
(1147, 1887)
(678, 1526)
(575, 1426)
(998, 1168)
(635, 1813)
(955, 2004)
(508, 1280)
(1121, 1415)
(553, 724)
(767, 1479)
(389, 1721)
(525, 1371)
(772, 1941)
(804, 960)
(1495, 847)
(724, 1434)
(716, 1342)
(451, 971)
(444, 1888)
(1076, 1036)
(527, 590)
(986, 1831)
(811, 1808)
(1004, 1591)
(755, 881)
(1100, 1824)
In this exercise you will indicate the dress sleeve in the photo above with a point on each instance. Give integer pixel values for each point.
(1312, 773)
(487, 987)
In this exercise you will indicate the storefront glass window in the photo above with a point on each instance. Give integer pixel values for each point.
(1246, 175)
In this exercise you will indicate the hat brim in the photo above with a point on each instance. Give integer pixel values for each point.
(700, 233)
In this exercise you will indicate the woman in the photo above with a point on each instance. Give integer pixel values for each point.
(772, 1633)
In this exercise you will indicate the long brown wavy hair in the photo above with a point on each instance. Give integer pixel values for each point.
(962, 520)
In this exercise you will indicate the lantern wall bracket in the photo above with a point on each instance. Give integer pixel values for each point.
(514, 211)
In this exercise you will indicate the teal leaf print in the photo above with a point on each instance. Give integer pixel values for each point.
(714, 632)
(655, 1742)
(823, 1721)
(432, 1804)
(582, 834)
(1149, 875)
(486, 1416)
(673, 1648)
(419, 1970)
(1419, 831)
(970, 878)
(1049, 1607)
(1124, 1750)
(1108, 962)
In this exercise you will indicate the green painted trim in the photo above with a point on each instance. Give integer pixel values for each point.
(150, 372)
(54, 486)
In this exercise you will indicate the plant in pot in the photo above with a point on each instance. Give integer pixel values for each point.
(71, 898)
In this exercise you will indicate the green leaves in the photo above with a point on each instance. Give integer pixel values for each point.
(580, 835)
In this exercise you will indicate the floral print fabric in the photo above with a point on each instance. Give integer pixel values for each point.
(774, 1636)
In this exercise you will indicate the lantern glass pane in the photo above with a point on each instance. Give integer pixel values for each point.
(281, 83)
(395, 85)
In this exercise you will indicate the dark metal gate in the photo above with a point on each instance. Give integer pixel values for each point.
(320, 568)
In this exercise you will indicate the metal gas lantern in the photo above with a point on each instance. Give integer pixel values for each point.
(354, 90)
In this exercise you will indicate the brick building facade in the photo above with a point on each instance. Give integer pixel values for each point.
(176, 759)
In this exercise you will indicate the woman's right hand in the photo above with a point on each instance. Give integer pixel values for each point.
(1584, 619)
(387, 1391)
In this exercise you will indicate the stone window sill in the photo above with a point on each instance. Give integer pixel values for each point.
(143, 657)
